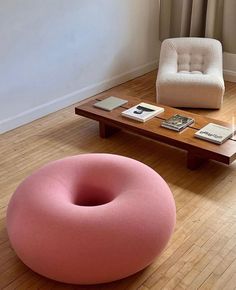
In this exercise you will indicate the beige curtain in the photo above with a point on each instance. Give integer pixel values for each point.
(202, 18)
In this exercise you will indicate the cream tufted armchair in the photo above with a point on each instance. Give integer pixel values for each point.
(190, 73)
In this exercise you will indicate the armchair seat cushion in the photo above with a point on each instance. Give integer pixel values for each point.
(190, 73)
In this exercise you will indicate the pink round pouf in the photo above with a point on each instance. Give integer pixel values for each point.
(91, 218)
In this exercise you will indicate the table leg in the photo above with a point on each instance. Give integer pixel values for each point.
(106, 131)
(194, 161)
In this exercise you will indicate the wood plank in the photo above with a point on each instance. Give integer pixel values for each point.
(194, 161)
(106, 131)
(225, 153)
(205, 199)
(199, 120)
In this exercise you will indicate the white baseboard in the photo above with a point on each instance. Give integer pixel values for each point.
(229, 75)
(74, 97)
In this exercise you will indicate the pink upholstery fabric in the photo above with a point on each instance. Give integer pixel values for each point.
(91, 218)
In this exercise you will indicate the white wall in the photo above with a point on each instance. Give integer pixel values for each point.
(56, 52)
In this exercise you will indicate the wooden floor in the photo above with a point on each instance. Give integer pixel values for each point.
(202, 252)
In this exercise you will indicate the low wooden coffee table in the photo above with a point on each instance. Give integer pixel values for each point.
(197, 150)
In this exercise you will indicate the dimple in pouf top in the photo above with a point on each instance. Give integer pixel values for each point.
(91, 218)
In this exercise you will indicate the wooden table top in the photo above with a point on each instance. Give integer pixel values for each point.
(225, 153)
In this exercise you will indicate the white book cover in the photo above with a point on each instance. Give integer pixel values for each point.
(214, 133)
(142, 112)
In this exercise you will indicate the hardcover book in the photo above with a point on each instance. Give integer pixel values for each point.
(214, 133)
(177, 122)
(110, 103)
(142, 112)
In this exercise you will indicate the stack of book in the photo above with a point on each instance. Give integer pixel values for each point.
(177, 122)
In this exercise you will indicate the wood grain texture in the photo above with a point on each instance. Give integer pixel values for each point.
(225, 153)
(202, 251)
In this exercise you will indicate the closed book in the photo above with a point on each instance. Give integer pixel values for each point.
(110, 103)
(173, 128)
(142, 112)
(177, 122)
(214, 133)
